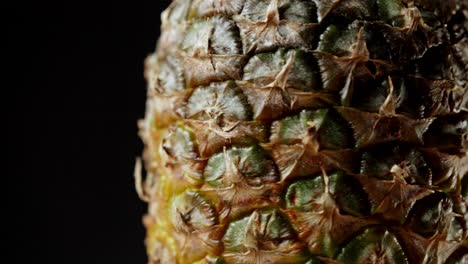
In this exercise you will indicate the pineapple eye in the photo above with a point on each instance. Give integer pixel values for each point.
(379, 160)
(180, 144)
(266, 235)
(326, 124)
(301, 194)
(304, 74)
(216, 35)
(430, 213)
(170, 77)
(192, 212)
(346, 191)
(218, 101)
(250, 164)
(449, 134)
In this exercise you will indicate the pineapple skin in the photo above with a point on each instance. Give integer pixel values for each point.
(307, 131)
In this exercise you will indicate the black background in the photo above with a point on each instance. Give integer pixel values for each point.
(73, 92)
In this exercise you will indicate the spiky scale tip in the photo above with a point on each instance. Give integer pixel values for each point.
(306, 131)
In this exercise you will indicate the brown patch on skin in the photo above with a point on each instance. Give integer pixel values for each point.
(267, 102)
(240, 197)
(211, 137)
(414, 38)
(213, 68)
(414, 20)
(448, 169)
(435, 249)
(373, 128)
(393, 199)
(300, 99)
(444, 98)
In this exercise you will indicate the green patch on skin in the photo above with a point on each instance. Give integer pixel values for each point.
(379, 161)
(233, 238)
(266, 226)
(181, 143)
(251, 162)
(375, 245)
(265, 236)
(333, 133)
(219, 100)
(337, 40)
(301, 194)
(215, 35)
(299, 11)
(265, 65)
(215, 168)
(433, 13)
(340, 40)
(292, 129)
(348, 194)
(345, 190)
(304, 75)
(330, 128)
(390, 11)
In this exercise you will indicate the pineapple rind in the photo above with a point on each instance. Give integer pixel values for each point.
(345, 119)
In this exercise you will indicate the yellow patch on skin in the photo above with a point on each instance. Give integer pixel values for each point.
(159, 222)
(159, 228)
(157, 189)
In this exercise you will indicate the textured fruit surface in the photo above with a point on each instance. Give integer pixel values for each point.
(307, 131)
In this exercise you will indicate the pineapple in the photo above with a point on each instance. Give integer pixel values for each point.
(307, 131)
